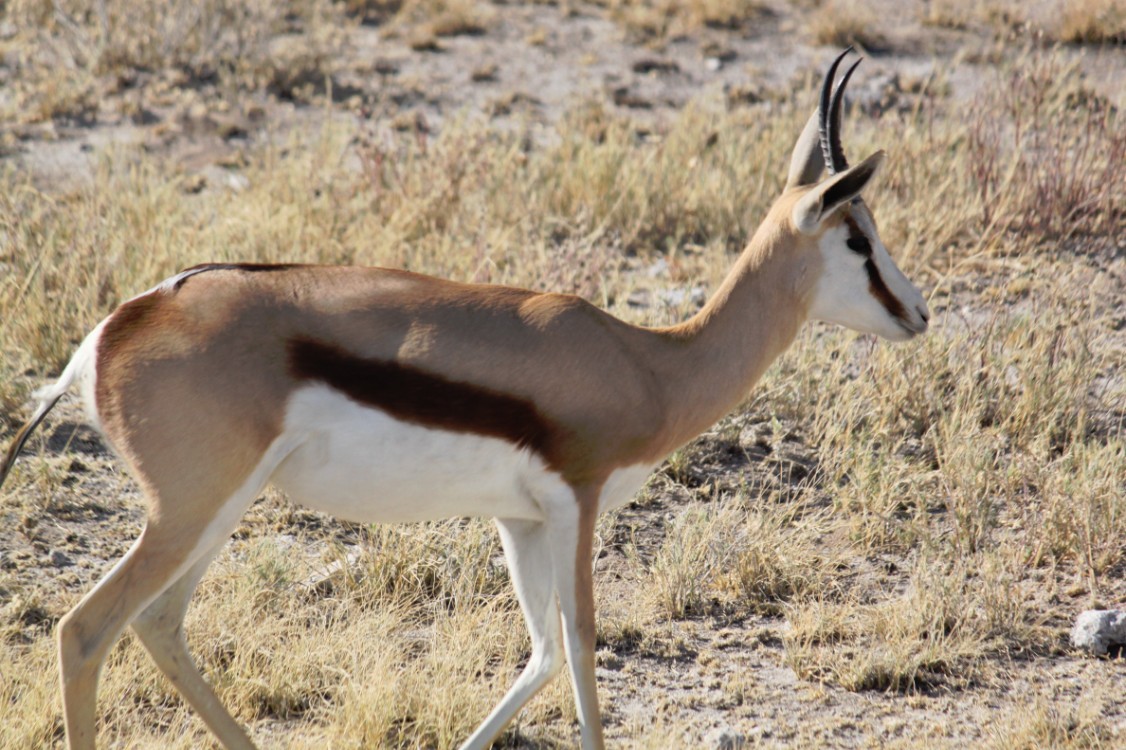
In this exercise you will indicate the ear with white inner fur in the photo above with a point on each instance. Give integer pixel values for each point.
(826, 197)
(807, 162)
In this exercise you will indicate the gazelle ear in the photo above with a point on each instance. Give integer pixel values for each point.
(807, 161)
(827, 196)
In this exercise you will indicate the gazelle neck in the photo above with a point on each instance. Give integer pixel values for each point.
(710, 362)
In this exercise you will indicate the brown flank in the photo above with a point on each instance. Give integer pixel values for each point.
(134, 315)
(426, 399)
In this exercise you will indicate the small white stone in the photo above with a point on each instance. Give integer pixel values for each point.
(1099, 630)
(237, 182)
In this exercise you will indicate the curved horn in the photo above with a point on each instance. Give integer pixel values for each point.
(839, 161)
(824, 107)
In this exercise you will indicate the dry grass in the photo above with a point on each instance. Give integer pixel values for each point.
(1070, 21)
(1045, 724)
(659, 19)
(957, 610)
(69, 54)
(1093, 21)
(722, 557)
(985, 462)
(1002, 17)
(841, 23)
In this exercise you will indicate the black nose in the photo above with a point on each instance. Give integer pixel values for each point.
(923, 314)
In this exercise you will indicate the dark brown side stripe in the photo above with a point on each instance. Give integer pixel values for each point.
(425, 399)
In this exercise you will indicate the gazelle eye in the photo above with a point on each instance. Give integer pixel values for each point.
(860, 245)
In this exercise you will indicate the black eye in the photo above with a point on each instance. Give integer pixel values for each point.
(860, 245)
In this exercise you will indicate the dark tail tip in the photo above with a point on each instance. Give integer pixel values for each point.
(21, 438)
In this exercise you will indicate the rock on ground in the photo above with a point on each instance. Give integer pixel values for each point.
(1099, 630)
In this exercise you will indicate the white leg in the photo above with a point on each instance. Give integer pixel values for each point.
(160, 628)
(164, 557)
(572, 546)
(155, 562)
(529, 563)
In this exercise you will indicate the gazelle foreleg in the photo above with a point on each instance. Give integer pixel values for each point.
(528, 554)
(161, 629)
(572, 546)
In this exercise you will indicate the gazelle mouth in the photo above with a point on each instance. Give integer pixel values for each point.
(913, 329)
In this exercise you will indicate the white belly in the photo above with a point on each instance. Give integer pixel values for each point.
(362, 465)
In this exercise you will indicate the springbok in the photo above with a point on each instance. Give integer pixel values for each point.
(385, 396)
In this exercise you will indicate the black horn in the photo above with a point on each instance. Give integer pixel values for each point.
(829, 116)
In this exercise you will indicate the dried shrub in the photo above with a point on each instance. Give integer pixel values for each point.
(1051, 159)
(841, 23)
(1093, 22)
(657, 19)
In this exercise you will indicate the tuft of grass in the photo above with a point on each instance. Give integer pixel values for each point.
(1046, 723)
(38, 720)
(424, 21)
(1093, 22)
(841, 23)
(1081, 515)
(1054, 161)
(937, 632)
(372, 11)
(660, 19)
(724, 558)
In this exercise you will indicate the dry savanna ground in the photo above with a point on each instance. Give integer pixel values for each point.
(883, 546)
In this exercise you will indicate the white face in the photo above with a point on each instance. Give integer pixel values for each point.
(861, 287)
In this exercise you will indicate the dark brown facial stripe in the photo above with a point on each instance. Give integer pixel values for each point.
(881, 292)
(860, 245)
(425, 399)
(858, 242)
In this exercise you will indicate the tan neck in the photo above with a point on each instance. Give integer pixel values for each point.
(709, 363)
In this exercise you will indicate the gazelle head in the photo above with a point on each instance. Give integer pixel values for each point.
(856, 284)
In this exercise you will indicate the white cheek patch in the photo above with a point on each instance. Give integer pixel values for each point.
(841, 294)
(844, 294)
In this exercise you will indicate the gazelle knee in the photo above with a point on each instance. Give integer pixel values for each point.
(157, 629)
(80, 652)
(549, 659)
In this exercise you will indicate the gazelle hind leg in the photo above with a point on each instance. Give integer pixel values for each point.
(183, 527)
(86, 633)
(160, 629)
(529, 564)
